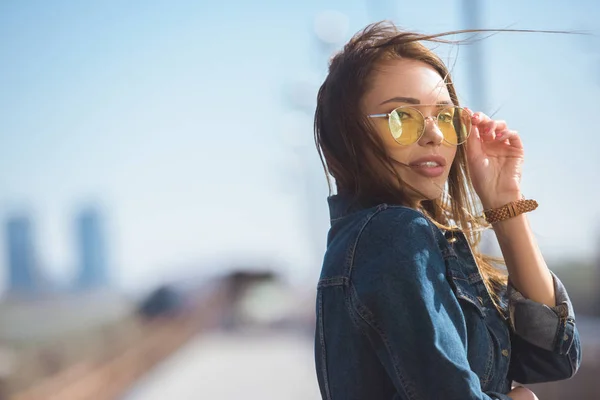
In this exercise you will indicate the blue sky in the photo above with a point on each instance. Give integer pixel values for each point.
(173, 115)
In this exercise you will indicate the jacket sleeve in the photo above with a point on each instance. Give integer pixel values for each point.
(545, 340)
(406, 307)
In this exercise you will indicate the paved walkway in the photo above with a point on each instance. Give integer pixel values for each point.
(235, 366)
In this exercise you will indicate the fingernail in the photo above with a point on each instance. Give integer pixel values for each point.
(499, 136)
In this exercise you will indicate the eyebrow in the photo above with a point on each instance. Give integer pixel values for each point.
(410, 100)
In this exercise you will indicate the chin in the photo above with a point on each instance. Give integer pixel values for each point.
(429, 193)
(434, 196)
(421, 189)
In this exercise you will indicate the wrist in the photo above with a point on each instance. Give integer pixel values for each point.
(510, 210)
(505, 229)
(500, 200)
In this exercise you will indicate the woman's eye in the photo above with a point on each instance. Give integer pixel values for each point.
(445, 117)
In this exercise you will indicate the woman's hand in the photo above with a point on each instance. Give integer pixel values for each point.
(522, 393)
(495, 155)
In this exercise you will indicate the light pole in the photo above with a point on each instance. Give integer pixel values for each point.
(472, 10)
(475, 70)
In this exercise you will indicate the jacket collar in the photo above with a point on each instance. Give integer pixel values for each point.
(342, 205)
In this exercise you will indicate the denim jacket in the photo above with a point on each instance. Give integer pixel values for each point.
(402, 313)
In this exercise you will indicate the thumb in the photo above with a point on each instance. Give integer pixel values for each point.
(474, 147)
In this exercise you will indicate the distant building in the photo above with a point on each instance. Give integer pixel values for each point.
(91, 247)
(22, 268)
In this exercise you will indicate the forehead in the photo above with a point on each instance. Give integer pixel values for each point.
(406, 78)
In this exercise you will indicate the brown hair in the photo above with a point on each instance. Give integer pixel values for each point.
(355, 156)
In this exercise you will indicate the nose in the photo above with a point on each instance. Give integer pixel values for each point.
(432, 135)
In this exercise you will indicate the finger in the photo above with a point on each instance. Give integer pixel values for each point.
(479, 118)
(474, 143)
(500, 126)
(503, 134)
(511, 137)
(487, 129)
(494, 128)
(482, 122)
(515, 140)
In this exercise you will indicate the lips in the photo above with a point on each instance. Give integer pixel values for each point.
(430, 166)
(432, 160)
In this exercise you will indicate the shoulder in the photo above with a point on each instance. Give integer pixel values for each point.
(396, 240)
(397, 225)
(397, 253)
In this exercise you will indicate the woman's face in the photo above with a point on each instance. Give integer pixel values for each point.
(427, 162)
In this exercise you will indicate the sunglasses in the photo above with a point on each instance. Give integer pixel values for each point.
(407, 124)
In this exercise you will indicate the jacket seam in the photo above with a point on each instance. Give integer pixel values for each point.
(352, 252)
(488, 375)
(375, 327)
(557, 342)
(354, 316)
(333, 281)
(323, 349)
(574, 368)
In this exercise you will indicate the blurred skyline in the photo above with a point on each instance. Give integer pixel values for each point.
(173, 117)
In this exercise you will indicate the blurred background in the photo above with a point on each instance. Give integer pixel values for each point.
(162, 207)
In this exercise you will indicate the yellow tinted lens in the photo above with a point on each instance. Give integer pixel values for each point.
(406, 125)
(455, 124)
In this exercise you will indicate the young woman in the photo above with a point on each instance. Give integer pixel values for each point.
(407, 308)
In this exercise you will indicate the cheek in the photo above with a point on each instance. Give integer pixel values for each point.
(383, 131)
(451, 154)
(394, 150)
(399, 153)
